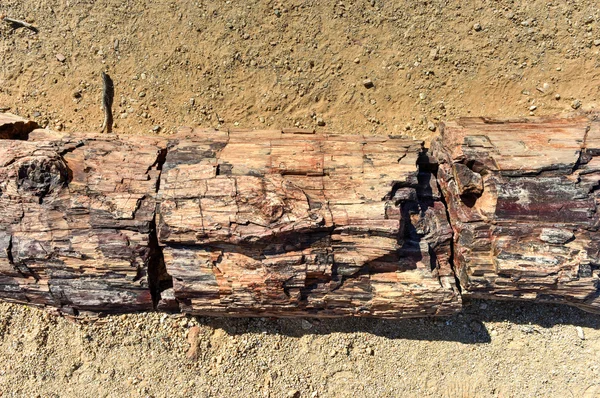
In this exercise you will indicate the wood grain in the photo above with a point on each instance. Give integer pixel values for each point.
(293, 223)
(529, 230)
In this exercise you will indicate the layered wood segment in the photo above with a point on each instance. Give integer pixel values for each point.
(523, 202)
(292, 223)
(76, 214)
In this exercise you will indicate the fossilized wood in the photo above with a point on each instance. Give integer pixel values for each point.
(523, 201)
(76, 215)
(293, 223)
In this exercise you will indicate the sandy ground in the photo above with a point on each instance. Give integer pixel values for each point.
(300, 63)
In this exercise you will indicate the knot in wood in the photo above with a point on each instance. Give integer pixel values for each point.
(42, 175)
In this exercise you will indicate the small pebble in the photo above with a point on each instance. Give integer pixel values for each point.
(37, 114)
(557, 97)
(293, 394)
(580, 333)
(477, 27)
(357, 60)
(597, 42)
(532, 108)
(368, 83)
(60, 57)
(142, 94)
(156, 128)
(370, 351)
(306, 325)
(332, 353)
(431, 126)
(320, 122)
(494, 333)
(576, 104)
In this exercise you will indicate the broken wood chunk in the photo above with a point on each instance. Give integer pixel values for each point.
(13, 127)
(530, 230)
(266, 223)
(76, 218)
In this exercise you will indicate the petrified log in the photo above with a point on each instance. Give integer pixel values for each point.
(523, 201)
(295, 223)
(249, 223)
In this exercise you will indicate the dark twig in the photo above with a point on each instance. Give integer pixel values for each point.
(16, 23)
(108, 93)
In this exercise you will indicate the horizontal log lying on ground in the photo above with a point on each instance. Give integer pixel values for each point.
(298, 223)
(523, 201)
(249, 223)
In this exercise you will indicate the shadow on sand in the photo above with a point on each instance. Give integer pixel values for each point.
(465, 327)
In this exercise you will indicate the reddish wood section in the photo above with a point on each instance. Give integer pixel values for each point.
(523, 201)
(298, 223)
(290, 223)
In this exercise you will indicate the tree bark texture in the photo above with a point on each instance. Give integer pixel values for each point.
(298, 223)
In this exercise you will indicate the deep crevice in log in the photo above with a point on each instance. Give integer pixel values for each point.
(159, 279)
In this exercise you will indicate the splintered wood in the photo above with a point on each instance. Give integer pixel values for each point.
(298, 223)
(272, 223)
(75, 220)
(523, 202)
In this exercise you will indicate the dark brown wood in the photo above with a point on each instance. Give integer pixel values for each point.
(523, 200)
(13, 127)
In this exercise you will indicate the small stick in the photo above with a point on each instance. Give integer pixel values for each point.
(16, 23)
(108, 93)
